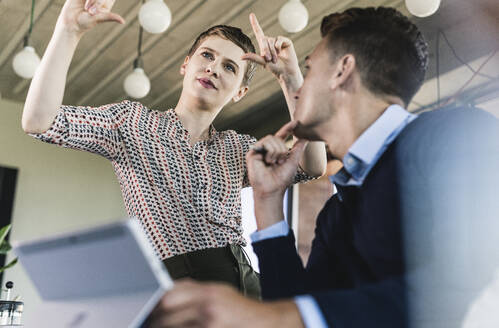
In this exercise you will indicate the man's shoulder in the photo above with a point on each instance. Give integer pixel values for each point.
(452, 117)
(457, 124)
(440, 138)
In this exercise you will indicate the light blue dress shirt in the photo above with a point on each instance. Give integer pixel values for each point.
(368, 148)
(360, 159)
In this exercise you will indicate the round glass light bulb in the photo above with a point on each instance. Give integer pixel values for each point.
(137, 84)
(422, 8)
(25, 62)
(155, 16)
(293, 16)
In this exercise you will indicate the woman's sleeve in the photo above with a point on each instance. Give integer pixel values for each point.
(95, 129)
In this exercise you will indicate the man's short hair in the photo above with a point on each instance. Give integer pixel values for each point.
(235, 35)
(391, 53)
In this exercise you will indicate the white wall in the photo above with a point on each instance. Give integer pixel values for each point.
(57, 190)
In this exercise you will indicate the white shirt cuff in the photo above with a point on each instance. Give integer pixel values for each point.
(278, 229)
(310, 312)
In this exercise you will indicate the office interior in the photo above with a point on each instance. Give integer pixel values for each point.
(59, 190)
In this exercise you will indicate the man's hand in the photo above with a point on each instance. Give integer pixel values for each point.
(277, 55)
(79, 16)
(193, 304)
(270, 175)
(273, 172)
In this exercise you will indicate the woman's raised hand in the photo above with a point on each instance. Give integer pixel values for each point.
(277, 54)
(79, 16)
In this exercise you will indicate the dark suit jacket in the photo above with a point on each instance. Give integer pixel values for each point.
(415, 243)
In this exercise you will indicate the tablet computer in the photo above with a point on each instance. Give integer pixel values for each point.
(107, 276)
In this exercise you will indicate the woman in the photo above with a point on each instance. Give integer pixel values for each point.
(179, 176)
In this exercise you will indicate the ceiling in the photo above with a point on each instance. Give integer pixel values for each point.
(105, 55)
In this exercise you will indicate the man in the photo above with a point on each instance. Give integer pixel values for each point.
(179, 176)
(410, 237)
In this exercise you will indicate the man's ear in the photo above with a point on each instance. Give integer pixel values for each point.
(240, 94)
(184, 65)
(345, 67)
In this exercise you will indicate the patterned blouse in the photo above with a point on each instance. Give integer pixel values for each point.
(186, 197)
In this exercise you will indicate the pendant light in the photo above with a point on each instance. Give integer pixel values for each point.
(155, 16)
(422, 8)
(293, 16)
(137, 84)
(26, 61)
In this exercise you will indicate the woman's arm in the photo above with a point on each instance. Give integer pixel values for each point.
(47, 87)
(278, 56)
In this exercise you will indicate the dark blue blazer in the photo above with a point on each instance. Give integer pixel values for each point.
(415, 243)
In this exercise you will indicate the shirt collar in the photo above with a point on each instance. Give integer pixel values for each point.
(370, 142)
(182, 132)
(368, 148)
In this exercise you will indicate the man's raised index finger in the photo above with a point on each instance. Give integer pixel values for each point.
(286, 130)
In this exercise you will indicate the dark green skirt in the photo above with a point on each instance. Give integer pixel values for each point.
(224, 264)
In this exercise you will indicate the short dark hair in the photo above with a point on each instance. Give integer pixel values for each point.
(237, 36)
(390, 52)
